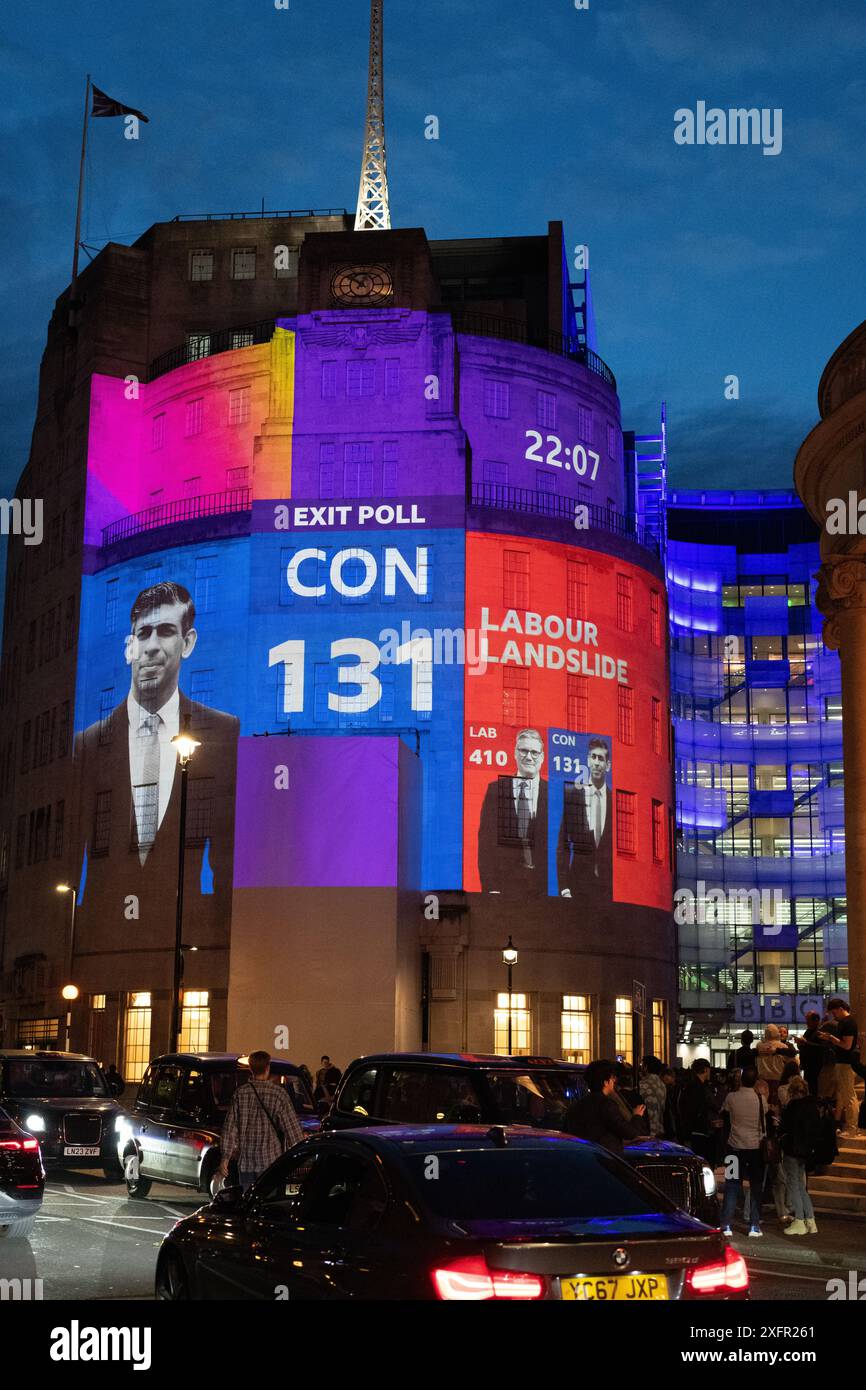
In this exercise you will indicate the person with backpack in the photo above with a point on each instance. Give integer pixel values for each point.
(260, 1124)
(799, 1134)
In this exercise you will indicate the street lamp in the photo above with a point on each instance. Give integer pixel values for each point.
(185, 747)
(70, 991)
(509, 959)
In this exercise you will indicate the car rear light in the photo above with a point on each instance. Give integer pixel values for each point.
(18, 1144)
(728, 1276)
(470, 1279)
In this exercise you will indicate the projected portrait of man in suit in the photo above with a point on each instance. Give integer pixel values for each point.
(584, 851)
(512, 832)
(129, 776)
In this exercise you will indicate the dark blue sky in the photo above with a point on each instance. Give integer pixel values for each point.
(705, 260)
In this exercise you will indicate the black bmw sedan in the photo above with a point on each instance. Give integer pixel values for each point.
(457, 1212)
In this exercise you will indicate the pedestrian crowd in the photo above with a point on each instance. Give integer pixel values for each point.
(770, 1118)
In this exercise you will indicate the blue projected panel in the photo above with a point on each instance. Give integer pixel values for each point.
(338, 631)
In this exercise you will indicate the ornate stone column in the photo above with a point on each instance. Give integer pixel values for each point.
(842, 599)
(830, 470)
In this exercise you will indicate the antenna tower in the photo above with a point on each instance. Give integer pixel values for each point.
(374, 214)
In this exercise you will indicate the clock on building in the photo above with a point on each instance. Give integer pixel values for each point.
(368, 285)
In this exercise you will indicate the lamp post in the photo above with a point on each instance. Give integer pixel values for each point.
(69, 991)
(509, 960)
(185, 746)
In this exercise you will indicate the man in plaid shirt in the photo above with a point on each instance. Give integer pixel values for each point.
(260, 1125)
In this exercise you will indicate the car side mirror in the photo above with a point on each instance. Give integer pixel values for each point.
(228, 1199)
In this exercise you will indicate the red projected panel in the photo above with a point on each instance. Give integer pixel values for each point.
(567, 774)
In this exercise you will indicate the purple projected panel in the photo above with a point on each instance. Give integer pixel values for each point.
(328, 820)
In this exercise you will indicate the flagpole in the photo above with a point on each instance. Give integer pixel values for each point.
(80, 192)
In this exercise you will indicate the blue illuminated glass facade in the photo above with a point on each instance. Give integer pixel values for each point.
(756, 708)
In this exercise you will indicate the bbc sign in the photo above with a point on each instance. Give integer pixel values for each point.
(776, 1008)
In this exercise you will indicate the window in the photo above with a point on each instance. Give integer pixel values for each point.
(97, 1002)
(329, 380)
(584, 422)
(514, 1004)
(201, 265)
(497, 399)
(655, 618)
(327, 469)
(145, 800)
(545, 410)
(201, 688)
(237, 477)
(625, 603)
(136, 1037)
(286, 264)
(106, 705)
(625, 714)
(494, 473)
(356, 1097)
(69, 624)
(515, 695)
(194, 417)
(20, 841)
(576, 586)
(544, 481)
(626, 828)
(360, 378)
(59, 816)
(832, 706)
(578, 703)
(244, 263)
(658, 832)
(390, 461)
(200, 811)
(26, 732)
(515, 579)
(576, 1028)
(660, 1028)
(414, 1095)
(195, 1021)
(157, 431)
(102, 822)
(239, 405)
(612, 441)
(38, 1032)
(192, 486)
(392, 376)
(358, 470)
(623, 1028)
(656, 724)
(111, 592)
(206, 580)
(242, 337)
(197, 346)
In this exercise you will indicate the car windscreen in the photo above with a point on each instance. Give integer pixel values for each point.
(35, 1076)
(564, 1181)
(534, 1096)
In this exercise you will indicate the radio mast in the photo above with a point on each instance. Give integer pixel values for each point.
(374, 214)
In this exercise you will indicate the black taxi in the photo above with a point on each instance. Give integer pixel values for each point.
(172, 1134)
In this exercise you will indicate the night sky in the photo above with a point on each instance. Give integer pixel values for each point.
(706, 260)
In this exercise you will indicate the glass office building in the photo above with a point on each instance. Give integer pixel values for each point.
(757, 713)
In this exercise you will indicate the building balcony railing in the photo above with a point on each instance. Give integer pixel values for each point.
(245, 216)
(201, 345)
(553, 504)
(237, 499)
(487, 326)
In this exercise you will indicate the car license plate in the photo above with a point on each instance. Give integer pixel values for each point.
(81, 1151)
(622, 1288)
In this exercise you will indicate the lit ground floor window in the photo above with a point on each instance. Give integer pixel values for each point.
(195, 1021)
(136, 1036)
(623, 1034)
(520, 1026)
(38, 1032)
(660, 1029)
(576, 1024)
